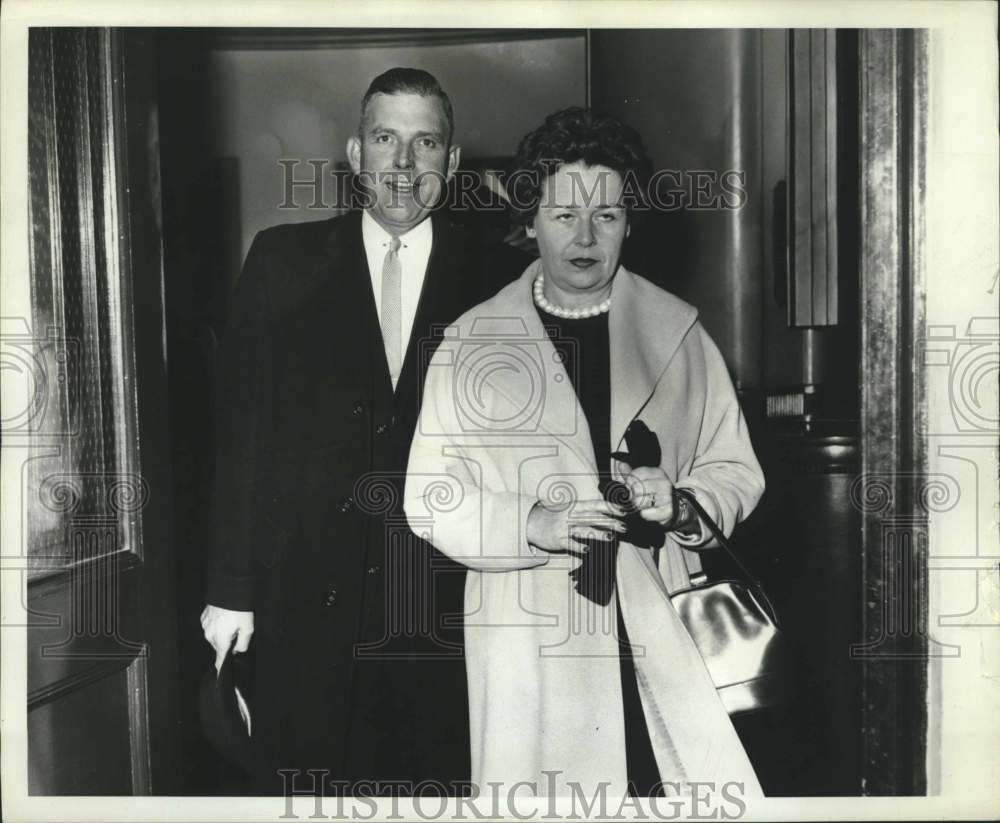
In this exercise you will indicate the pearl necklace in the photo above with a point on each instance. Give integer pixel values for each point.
(569, 314)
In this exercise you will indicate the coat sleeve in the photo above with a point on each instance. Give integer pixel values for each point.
(456, 495)
(725, 475)
(242, 397)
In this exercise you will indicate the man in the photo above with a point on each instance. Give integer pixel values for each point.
(359, 669)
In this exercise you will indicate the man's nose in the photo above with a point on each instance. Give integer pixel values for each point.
(404, 157)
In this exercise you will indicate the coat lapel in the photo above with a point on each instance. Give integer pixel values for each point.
(646, 326)
(437, 294)
(344, 280)
(526, 373)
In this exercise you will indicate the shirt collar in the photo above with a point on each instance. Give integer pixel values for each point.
(374, 234)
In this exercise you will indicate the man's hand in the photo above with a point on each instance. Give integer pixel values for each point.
(222, 626)
(567, 530)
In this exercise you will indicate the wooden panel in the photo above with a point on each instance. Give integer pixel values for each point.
(813, 283)
(893, 410)
(90, 619)
(99, 704)
(79, 741)
(800, 166)
(818, 172)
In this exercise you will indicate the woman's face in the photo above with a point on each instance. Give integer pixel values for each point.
(580, 228)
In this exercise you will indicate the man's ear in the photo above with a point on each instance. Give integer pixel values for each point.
(454, 156)
(354, 153)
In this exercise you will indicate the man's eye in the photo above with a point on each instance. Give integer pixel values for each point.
(427, 143)
(381, 138)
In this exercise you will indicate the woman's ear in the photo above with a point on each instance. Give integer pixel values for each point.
(530, 231)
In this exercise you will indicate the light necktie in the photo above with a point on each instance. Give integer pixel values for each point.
(392, 310)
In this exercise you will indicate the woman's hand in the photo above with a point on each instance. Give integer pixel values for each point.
(652, 494)
(653, 497)
(567, 529)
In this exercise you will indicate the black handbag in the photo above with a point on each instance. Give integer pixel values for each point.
(735, 628)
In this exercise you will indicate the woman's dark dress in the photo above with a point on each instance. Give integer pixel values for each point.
(585, 350)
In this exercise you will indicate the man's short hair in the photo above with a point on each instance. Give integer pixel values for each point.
(408, 81)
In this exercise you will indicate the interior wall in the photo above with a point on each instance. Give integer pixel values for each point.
(694, 96)
(267, 105)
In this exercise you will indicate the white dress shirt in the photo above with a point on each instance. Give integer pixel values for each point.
(414, 252)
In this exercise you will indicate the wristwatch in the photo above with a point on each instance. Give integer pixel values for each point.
(683, 513)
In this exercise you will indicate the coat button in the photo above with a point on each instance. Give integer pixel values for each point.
(373, 570)
(381, 429)
(358, 409)
(347, 504)
(330, 599)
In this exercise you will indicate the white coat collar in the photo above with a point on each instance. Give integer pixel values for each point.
(646, 326)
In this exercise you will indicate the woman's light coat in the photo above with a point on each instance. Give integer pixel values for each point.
(500, 429)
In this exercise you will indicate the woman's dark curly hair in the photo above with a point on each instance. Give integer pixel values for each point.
(568, 136)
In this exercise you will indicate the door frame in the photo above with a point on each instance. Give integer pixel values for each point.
(891, 490)
(113, 614)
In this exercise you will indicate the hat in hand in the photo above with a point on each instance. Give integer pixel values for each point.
(225, 701)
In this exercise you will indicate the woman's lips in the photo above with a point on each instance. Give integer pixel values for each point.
(583, 262)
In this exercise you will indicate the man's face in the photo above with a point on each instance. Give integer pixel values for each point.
(403, 158)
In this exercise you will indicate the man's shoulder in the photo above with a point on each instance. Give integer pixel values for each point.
(304, 236)
(292, 262)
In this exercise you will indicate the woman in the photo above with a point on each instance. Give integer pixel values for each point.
(580, 671)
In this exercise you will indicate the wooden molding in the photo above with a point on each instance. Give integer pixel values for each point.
(894, 654)
(291, 39)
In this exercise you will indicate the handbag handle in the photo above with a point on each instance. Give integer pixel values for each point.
(723, 541)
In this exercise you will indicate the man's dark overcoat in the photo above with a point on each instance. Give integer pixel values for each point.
(358, 631)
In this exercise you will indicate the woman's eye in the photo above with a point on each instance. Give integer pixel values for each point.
(565, 217)
(607, 217)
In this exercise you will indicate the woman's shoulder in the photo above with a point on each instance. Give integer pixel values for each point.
(656, 314)
(500, 308)
(658, 300)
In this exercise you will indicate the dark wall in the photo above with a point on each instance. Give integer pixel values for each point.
(707, 102)
(194, 220)
(694, 96)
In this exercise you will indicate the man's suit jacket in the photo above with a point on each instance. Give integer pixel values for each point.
(358, 632)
